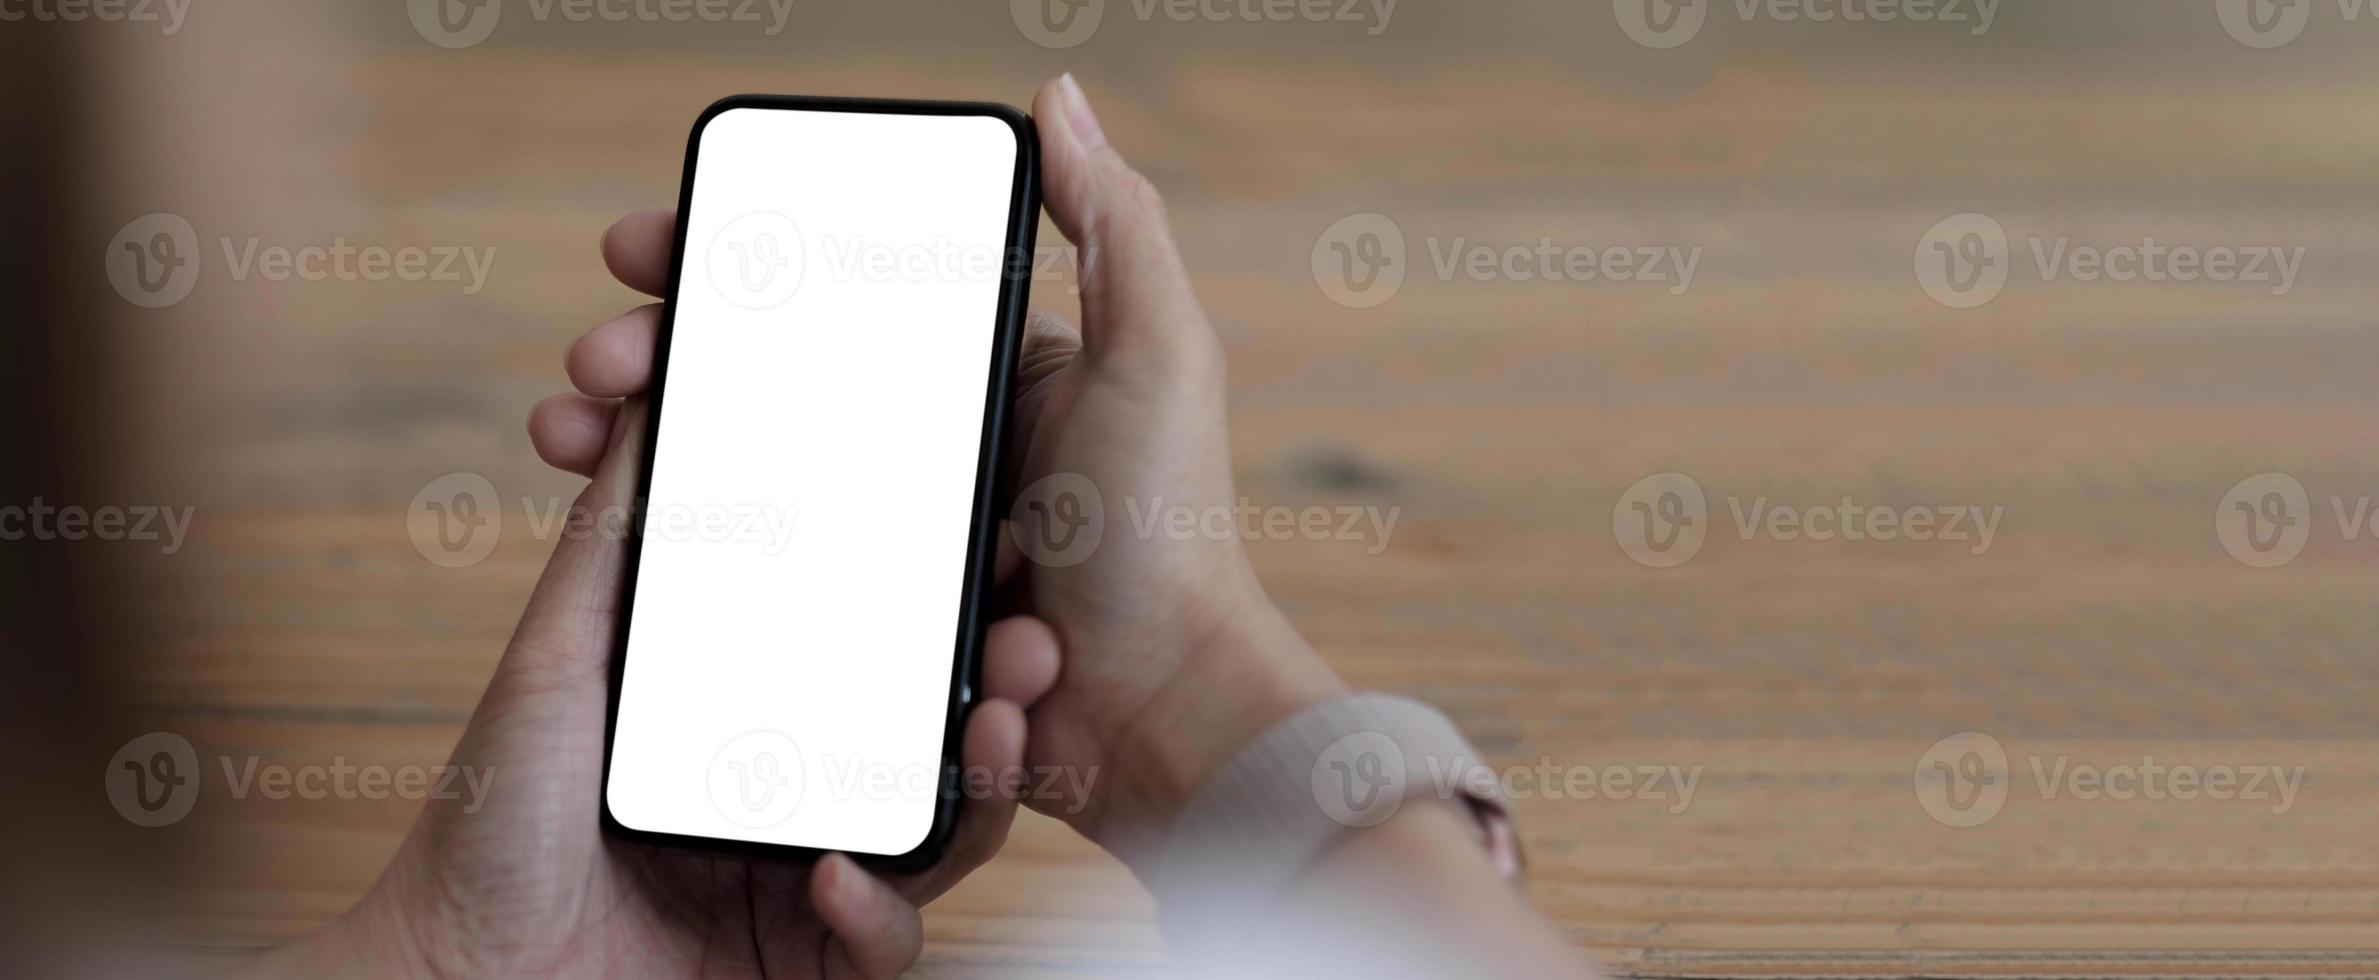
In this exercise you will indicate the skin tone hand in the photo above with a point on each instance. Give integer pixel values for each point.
(528, 885)
(1192, 658)
(1176, 658)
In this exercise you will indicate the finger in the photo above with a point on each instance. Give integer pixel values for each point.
(1049, 344)
(571, 431)
(637, 249)
(1020, 660)
(1020, 665)
(877, 933)
(992, 782)
(1007, 555)
(568, 622)
(1136, 297)
(615, 360)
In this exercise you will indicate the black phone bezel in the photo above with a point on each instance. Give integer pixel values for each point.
(1023, 225)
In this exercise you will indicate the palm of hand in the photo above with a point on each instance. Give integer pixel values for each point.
(1131, 410)
(529, 885)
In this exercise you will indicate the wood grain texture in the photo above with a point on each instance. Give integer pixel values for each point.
(1799, 681)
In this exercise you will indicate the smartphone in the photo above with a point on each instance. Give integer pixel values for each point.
(810, 550)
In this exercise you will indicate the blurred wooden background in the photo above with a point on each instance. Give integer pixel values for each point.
(1805, 680)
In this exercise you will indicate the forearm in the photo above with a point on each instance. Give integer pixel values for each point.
(1418, 894)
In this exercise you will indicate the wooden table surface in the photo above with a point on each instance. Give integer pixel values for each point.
(1800, 682)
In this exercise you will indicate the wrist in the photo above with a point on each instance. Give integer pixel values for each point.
(372, 939)
(1245, 672)
(386, 933)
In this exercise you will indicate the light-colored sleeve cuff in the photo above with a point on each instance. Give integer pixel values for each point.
(1344, 764)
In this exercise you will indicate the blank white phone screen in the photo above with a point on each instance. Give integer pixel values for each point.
(795, 616)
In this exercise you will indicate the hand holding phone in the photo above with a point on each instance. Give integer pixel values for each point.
(525, 883)
(522, 881)
(812, 548)
(1174, 656)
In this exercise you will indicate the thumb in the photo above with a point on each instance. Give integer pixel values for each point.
(567, 627)
(1137, 305)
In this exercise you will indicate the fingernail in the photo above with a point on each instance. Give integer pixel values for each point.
(1085, 123)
